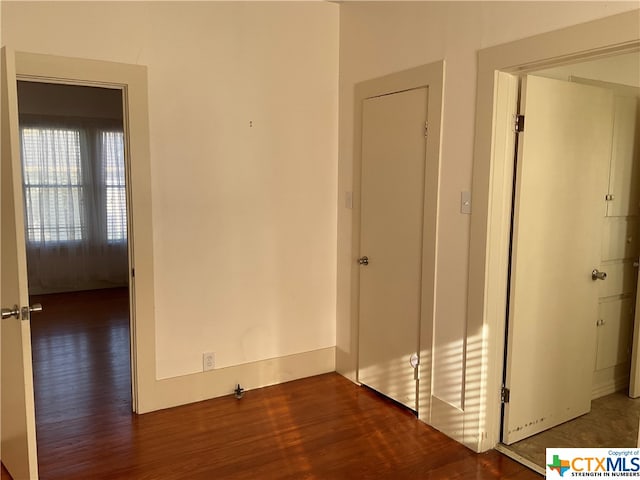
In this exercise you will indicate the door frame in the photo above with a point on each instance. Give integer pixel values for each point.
(132, 81)
(431, 76)
(498, 71)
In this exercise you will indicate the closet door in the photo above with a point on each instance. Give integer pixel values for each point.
(393, 166)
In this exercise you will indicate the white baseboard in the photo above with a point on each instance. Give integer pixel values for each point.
(172, 392)
(447, 419)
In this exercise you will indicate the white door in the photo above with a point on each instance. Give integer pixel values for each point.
(561, 184)
(393, 166)
(18, 428)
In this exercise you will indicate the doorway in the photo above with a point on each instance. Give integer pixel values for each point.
(75, 201)
(606, 355)
(406, 374)
(75, 185)
(496, 103)
(18, 416)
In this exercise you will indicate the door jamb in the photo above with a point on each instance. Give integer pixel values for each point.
(132, 81)
(431, 76)
(492, 178)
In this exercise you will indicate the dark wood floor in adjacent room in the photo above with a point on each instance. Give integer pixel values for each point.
(323, 427)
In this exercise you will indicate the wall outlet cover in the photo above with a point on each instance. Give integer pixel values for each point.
(208, 361)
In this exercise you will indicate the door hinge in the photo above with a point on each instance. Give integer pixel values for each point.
(133, 273)
(426, 129)
(504, 395)
(609, 197)
(519, 124)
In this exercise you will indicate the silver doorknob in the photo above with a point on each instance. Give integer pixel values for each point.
(26, 311)
(363, 260)
(598, 275)
(11, 312)
(23, 312)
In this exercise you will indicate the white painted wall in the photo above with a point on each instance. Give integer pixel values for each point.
(243, 109)
(378, 38)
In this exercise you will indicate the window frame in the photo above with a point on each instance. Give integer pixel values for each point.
(91, 172)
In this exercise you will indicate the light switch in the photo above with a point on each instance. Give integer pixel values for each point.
(465, 202)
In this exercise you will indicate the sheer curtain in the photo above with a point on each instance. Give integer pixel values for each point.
(75, 204)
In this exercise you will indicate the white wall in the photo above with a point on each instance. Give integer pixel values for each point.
(378, 38)
(243, 109)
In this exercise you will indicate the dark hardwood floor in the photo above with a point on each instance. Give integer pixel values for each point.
(323, 427)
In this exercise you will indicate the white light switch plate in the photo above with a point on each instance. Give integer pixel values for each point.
(465, 202)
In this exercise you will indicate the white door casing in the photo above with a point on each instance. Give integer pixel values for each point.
(634, 379)
(18, 429)
(132, 79)
(560, 193)
(392, 198)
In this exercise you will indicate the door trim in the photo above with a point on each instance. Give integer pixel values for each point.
(430, 76)
(492, 179)
(132, 80)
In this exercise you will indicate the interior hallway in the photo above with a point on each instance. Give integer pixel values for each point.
(322, 427)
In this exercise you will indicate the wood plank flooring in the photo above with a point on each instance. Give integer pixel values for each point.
(322, 427)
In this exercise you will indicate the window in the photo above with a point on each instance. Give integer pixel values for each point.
(112, 147)
(53, 185)
(74, 185)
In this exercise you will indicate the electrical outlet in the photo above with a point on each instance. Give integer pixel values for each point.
(208, 361)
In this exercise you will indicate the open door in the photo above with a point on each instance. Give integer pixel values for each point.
(563, 157)
(393, 166)
(18, 426)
